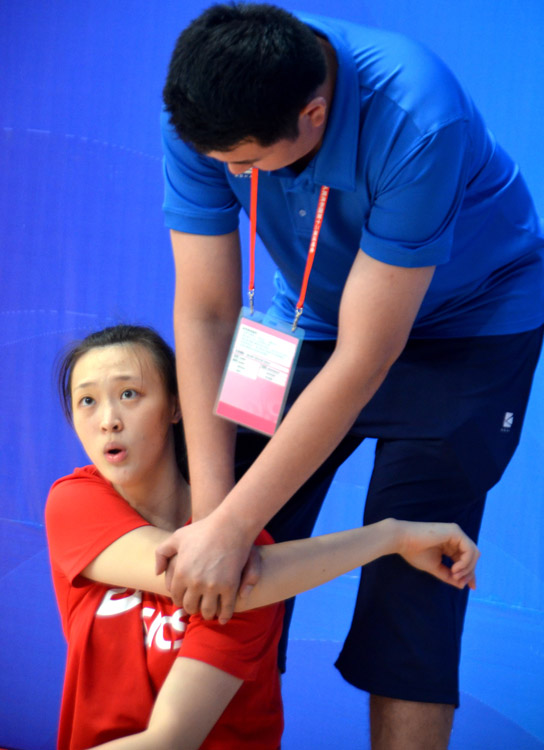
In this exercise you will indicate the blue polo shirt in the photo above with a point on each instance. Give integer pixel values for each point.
(416, 179)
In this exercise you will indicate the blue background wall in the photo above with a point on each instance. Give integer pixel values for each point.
(83, 245)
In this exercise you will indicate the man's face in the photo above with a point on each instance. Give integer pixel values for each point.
(283, 153)
(268, 158)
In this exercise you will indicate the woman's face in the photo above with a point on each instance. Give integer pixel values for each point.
(123, 413)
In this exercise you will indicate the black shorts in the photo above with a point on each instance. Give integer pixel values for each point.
(447, 420)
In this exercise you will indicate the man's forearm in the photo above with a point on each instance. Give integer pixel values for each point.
(217, 547)
(378, 307)
(201, 352)
(206, 308)
(306, 437)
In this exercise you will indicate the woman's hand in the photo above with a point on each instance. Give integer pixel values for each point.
(425, 545)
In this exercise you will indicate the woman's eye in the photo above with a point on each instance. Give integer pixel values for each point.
(129, 393)
(87, 401)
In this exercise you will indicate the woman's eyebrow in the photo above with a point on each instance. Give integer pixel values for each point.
(89, 383)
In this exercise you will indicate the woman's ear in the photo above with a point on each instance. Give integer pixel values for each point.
(176, 416)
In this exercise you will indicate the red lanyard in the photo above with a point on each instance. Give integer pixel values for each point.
(320, 212)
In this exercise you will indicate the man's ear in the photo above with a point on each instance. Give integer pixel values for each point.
(315, 112)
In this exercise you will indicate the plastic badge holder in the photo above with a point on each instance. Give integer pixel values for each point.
(258, 373)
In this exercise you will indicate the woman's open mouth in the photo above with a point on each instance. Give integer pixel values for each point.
(115, 454)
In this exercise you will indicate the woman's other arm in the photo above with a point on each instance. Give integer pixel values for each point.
(293, 567)
(191, 700)
(287, 569)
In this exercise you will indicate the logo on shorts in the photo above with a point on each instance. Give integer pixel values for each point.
(507, 421)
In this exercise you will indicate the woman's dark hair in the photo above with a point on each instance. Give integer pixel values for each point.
(242, 71)
(161, 352)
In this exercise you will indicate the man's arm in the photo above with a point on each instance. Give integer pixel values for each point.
(378, 307)
(206, 307)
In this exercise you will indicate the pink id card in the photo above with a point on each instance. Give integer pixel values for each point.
(258, 373)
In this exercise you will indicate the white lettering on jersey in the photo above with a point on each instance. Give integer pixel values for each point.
(155, 630)
(114, 603)
(117, 601)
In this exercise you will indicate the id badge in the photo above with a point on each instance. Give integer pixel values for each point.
(258, 373)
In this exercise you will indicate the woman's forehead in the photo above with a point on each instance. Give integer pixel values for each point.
(115, 360)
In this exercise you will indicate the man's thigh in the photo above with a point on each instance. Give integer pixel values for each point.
(447, 419)
(404, 640)
(455, 415)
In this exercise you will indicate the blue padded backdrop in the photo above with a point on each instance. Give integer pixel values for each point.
(83, 245)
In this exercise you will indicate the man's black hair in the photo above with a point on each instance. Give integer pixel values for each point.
(242, 71)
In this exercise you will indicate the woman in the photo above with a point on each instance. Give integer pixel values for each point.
(140, 673)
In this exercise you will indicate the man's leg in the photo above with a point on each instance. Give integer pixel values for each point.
(440, 416)
(406, 725)
(404, 643)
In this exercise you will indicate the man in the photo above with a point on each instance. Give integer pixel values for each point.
(422, 318)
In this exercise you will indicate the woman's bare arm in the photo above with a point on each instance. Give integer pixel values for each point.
(195, 694)
(191, 700)
(293, 567)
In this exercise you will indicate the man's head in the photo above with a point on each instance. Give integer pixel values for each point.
(243, 74)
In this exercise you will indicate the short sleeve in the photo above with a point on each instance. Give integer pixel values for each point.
(83, 516)
(417, 200)
(197, 196)
(240, 646)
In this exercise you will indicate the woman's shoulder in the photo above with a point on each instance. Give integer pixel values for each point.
(84, 499)
(80, 474)
(83, 480)
(84, 514)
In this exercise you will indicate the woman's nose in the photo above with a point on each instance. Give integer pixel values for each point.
(111, 422)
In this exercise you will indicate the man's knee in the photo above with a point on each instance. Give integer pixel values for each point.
(407, 725)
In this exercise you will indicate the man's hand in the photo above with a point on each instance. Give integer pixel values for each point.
(424, 545)
(204, 575)
(251, 572)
